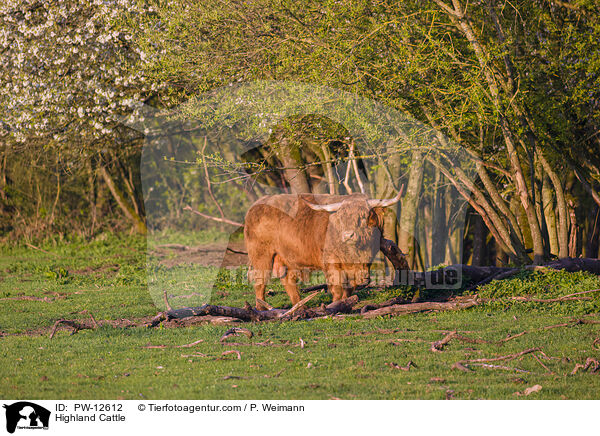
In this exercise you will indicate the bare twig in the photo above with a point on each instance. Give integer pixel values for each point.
(208, 183)
(166, 300)
(94, 322)
(214, 218)
(190, 345)
(225, 353)
(39, 249)
(541, 363)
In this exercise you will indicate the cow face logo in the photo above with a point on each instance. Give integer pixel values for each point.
(26, 415)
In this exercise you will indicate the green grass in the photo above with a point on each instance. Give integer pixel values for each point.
(343, 358)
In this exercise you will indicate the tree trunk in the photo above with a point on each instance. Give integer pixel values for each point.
(294, 171)
(458, 16)
(549, 215)
(479, 255)
(561, 206)
(130, 213)
(92, 197)
(408, 216)
(439, 220)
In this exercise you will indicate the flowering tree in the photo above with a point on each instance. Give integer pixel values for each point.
(69, 77)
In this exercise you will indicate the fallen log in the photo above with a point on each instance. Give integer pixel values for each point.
(394, 254)
(390, 302)
(401, 309)
(342, 306)
(227, 311)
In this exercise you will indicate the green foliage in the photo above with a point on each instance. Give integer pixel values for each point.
(545, 285)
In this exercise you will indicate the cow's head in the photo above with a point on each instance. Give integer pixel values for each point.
(354, 230)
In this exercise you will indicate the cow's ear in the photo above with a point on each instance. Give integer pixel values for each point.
(376, 217)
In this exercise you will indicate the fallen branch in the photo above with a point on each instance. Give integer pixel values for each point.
(437, 346)
(589, 363)
(236, 331)
(394, 254)
(236, 352)
(76, 326)
(314, 288)
(39, 249)
(342, 306)
(390, 302)
(94, 322)
(227, 311)
(403, 368)
(506, 368)
(190, 345)
(401, 309)
(542, 363)
(462, 365)
(299, 305)
(529, 391)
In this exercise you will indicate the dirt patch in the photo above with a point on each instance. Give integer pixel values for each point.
(216, 254)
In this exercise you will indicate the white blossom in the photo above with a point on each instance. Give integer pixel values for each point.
(65, 72)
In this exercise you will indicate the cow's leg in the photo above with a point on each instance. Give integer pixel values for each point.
(290, 283)
(260, 274)
(337, 292)
(334, 283)
(349, 291)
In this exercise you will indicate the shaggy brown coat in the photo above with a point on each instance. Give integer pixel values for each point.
(287, 238)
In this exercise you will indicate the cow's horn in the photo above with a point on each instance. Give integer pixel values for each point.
(326, 207)
(389, 201)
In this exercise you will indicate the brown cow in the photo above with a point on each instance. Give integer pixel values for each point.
(290, 235)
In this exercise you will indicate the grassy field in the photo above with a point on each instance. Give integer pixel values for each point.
(342, 358)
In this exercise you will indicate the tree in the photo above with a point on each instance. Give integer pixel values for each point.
(70, 75)
(496, 80)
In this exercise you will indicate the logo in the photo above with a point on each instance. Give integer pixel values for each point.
(26, 415)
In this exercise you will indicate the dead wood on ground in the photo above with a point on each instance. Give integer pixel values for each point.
(75, 326)
(463, 364)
